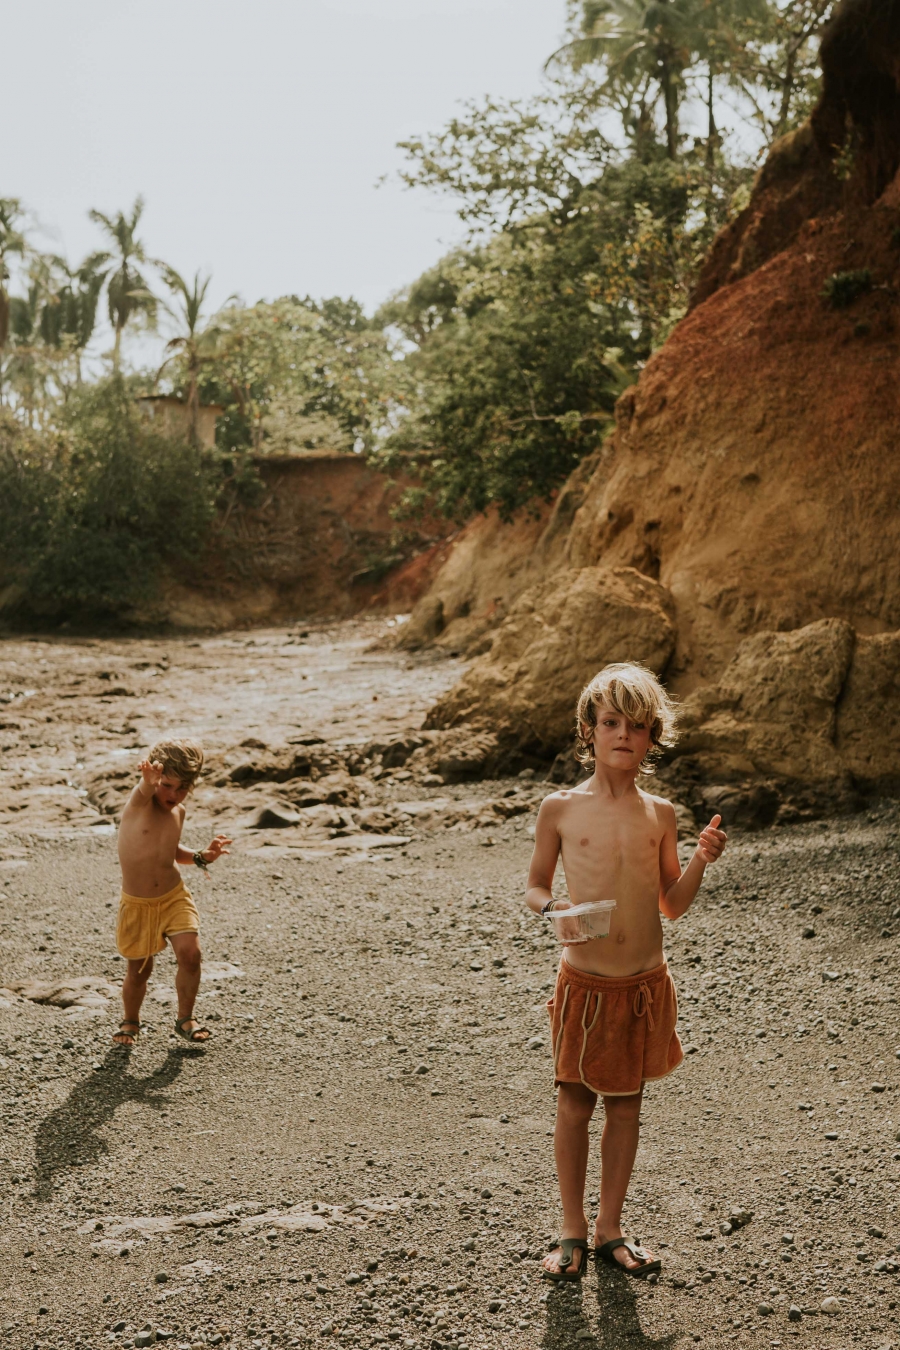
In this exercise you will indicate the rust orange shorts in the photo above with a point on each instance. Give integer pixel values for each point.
(613, 1034)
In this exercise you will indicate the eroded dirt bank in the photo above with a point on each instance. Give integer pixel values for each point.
(363, 1156)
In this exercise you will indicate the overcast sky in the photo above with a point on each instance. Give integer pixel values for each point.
(255, 129)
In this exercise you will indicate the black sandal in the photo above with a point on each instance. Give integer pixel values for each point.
(648, 1266)
(199, 1035)
(567, 1246)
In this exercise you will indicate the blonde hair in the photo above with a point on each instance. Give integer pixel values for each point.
(636, 693)
(180, 759)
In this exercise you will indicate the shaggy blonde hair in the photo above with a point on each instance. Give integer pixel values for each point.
(180, 759)
(637, 694)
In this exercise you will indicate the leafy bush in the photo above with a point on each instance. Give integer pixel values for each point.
(93, 512)
(842, 288)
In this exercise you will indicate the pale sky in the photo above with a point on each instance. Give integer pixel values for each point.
(255, 129)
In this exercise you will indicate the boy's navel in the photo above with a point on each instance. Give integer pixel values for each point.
(582, 842)
(621, 938)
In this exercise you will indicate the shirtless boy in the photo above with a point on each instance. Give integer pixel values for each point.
(155, 903)
(614, 1010)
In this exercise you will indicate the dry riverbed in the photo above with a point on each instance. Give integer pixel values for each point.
(362, 1156)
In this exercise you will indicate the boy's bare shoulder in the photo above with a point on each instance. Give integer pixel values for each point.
(662, 805)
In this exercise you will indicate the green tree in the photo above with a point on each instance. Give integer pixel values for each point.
(95, 513)
(69, 314)
(12, 244)
(128, 295)
(197, 346)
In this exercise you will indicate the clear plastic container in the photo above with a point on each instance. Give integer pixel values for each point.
(582, 923)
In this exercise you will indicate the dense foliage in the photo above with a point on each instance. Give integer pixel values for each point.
(95, 510)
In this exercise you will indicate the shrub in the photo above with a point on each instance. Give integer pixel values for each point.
(842, 288)
(94, 512)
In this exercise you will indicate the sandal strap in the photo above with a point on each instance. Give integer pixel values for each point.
(567, 1246)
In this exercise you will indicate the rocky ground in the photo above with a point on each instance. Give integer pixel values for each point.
(363, 1153)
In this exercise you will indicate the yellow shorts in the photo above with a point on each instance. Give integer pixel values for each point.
(144, 923)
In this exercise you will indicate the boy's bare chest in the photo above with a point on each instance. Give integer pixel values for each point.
(610, 837)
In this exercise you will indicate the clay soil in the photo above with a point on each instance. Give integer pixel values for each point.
(363, 1153)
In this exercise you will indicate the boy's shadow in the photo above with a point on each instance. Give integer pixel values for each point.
(68, 1137)
(619, 1324)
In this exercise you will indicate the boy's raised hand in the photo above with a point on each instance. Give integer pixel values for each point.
(216, 848)
(151, 774)
(712, 841)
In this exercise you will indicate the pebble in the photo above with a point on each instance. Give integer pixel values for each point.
(878, 1087)
(160, 1277)
(765, 1310)
(830, 1305)
(809, 933)
(788, 1239)
(831, 1134)
(794, 1313)
(494, 1306)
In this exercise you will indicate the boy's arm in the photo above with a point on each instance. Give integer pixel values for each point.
(142, 795)
(676, 888)
(209, 855)
(543, 860)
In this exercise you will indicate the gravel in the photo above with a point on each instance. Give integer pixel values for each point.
(240, 1172)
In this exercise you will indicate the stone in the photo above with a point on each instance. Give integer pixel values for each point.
(765, 1310)
(830, 1305)
(273, 817)
(494, 1306)
(875, 1232)
(794, 1313)
(746, 725)
(878, 1087)
(740, 1217)
(831, 1134)
(725, 1229)
(145, 1338)
(787, 1239)
(808, 933)
(160, 1277)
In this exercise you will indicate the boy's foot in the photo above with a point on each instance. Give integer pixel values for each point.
(125, 1037)
(191, 1030)
(568, 1264)
(616, 1250)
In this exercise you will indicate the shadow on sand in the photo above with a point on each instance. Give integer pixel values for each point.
(568, 1310)
(69, 1136)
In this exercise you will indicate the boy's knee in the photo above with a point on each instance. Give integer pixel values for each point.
(139, 972)
(623, 1108)
(575, 1103)
(189, 959)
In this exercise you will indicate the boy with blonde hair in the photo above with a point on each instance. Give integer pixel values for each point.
(614, 1010)
(156, 905)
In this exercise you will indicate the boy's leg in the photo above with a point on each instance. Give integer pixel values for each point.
(186, 947)
(134, 987)
(574, 1108)
(618, 1149)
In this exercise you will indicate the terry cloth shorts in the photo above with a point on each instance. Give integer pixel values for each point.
(614, 1033)
(144, 923)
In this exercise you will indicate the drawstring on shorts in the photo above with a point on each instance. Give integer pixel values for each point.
(642, 1002)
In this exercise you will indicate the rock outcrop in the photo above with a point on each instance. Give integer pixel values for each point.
(557, 635)
(753, 477)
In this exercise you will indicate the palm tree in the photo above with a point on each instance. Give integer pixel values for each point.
(128, 294)
(197, 344)
(641, 44)
(12, 242)
(70, 310)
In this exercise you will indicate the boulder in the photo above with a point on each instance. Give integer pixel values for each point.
(557, 635)
(868, 707)
(773, 713)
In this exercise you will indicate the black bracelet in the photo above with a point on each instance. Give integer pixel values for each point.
(547, 908)
(200, 861)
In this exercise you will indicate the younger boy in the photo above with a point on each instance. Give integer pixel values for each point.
(155, 903)
(614, 1010)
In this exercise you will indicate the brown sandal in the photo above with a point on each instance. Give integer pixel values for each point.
(198, 1036)
(132, 1035)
